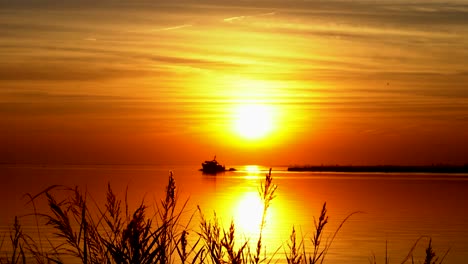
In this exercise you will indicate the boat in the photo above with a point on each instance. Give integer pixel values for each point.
(212, 166)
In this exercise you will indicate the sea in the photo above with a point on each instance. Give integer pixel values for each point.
(371, 216)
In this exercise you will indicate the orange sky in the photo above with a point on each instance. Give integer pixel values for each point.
(163, 82)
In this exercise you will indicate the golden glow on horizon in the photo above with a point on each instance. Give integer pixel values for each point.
(252, 168)
(254, 121)
(252, 171)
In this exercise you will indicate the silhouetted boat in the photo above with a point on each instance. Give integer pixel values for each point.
(212, 166)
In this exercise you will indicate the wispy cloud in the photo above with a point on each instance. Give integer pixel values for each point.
(236, 18)
(174, 27)
(240, 18)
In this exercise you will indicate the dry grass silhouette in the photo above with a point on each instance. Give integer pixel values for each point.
(112, 233)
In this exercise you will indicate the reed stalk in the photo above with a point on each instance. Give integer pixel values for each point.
(117, 235)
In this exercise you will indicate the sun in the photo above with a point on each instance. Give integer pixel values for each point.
(254, 121)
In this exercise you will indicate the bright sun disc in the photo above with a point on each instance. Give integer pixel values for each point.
(254, 121)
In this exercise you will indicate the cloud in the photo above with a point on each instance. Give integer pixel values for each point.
(236, 18)
(174, 27)
(201, 62)
(268, 14)
(241, 18)
(58, 71)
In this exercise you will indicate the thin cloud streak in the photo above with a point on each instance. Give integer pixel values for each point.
(174, 27)
(240, 18)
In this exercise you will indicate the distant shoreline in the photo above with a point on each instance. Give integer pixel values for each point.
(383, 169)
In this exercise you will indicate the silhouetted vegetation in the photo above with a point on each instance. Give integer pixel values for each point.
(114, 234)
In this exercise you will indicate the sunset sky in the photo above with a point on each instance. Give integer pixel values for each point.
(268, 82)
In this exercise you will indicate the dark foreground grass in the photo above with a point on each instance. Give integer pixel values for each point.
(111, 233)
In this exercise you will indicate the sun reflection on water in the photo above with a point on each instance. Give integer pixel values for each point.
(241, 203)
(252, 172)
(252, 168)
(248, 214)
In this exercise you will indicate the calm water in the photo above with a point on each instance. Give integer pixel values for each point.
(398, 208)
